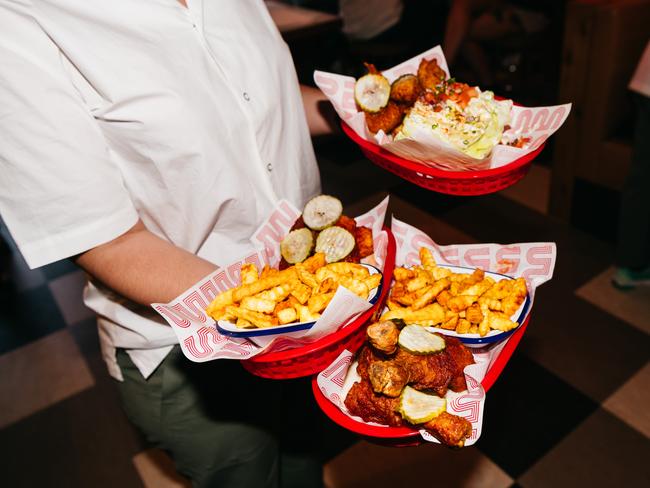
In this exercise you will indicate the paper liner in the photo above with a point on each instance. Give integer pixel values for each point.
(533, 261)
(196, 331)
(537, 123)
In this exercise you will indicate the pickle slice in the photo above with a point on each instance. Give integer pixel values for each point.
(335, 242)
(418, 408)
(297, 245)
(371, 92)
(322, 211)
(405, 89)
(418, 340)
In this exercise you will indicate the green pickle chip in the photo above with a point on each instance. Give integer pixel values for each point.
(322, 211)
(418, 340)
(418, 408)
(297, 245)
(335, 242)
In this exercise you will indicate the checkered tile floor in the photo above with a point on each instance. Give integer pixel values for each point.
(585, 422)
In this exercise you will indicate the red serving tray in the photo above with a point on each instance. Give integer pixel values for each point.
(313, 358)
(480, 182)
(407, 436)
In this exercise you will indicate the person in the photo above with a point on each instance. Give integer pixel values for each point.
(471, 23)
(363, 21)
(387, 32)
(633, 249)
(140, 139)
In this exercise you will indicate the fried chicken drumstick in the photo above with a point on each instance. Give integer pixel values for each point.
(386, 369)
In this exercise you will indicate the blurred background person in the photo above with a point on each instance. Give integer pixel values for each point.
(487, 41)
(387, 32)
(370, 19)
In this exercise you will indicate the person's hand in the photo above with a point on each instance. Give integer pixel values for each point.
(322, 119)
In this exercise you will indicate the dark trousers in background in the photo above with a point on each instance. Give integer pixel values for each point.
(633, 249)
(223, 426)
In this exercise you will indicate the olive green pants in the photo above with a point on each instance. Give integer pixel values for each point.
(217, 422)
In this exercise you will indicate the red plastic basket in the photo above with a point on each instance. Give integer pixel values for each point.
(466, 183)
(407, 436)
(315, 357)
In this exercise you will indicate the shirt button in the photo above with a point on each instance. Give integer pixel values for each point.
(247, 96)
(269, 167)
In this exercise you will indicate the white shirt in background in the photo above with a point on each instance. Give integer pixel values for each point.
(365, 19)
(187, 118)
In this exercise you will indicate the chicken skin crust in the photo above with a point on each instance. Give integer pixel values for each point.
(372, 407)
(435, 372)
(430, 75)
(376, 397)
(449, 429)
(386, 119)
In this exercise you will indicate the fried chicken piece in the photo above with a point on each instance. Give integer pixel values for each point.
(388, 377)
(386, 119)
(405, 89)
(368, 355)
(353, 257)
(362, 401)
(462, 357)
(449, 429)
(435, 372)
(348, 223)
(383, 336)
(283, 264)
(365, 244)
(430, 74)
(372, 407)
(383, 376)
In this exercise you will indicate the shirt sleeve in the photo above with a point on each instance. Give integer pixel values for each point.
(60, 192)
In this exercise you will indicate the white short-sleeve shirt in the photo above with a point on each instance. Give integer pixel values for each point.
(187, 118)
